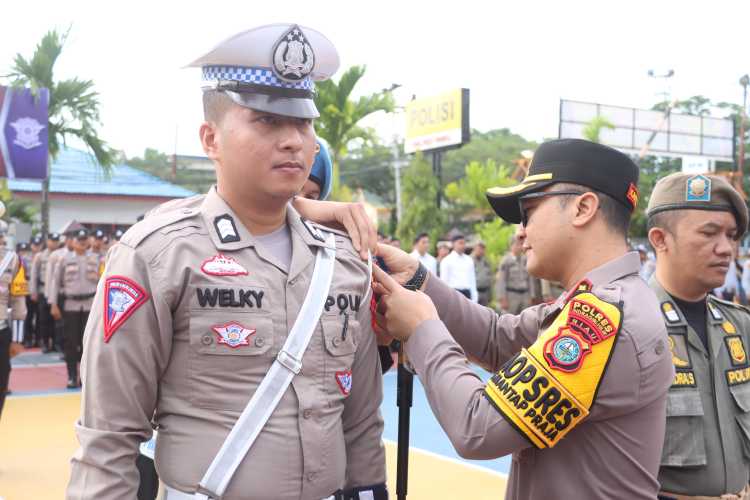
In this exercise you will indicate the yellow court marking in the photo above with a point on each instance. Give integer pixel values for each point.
(433, 476)
(38, 439)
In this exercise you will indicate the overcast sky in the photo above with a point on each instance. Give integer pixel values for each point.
(519, 58)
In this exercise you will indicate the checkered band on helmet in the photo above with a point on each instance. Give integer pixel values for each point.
(258, 76)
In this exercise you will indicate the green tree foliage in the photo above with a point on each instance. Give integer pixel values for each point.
(153, 161)
(370, 167)
(340, 115)
(469, 193)
(500, 145)
(652, 168)
(593, 129)
(697, 105)
(73, 105)
(496, 235)
(419, 189)
(16, 208)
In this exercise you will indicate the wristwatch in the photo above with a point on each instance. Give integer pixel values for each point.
(416, 281)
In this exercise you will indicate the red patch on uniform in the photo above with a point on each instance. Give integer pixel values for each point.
(222, 265)
(632, 195)
(233, 334)
(344, 380)
(583, 286)
(122, 296)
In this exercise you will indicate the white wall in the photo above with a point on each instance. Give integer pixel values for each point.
(98, 211)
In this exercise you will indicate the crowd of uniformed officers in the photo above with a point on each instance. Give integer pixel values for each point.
(57, 279)
(617, 389)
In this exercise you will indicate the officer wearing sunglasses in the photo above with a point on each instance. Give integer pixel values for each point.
(579, 390)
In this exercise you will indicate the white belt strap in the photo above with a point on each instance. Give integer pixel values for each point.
(6, 261)
(288, 363)
(173, 494)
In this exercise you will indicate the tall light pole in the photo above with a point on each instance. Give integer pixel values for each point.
(666, 98)
(744, 81)
(666, 75)
(398, 164)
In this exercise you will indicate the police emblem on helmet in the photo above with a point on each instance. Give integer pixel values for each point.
(293, 57)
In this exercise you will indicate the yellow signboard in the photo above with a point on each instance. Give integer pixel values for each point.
(437, 122)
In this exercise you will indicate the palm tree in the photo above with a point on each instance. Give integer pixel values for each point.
(593, 129)
(340, 115)
(73, 106)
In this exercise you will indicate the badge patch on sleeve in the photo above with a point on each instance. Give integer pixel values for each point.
(679, 350)
(122, 297)
(547, 390)
(344, 381)
(233, 334)
(222, 265)
(736, 350)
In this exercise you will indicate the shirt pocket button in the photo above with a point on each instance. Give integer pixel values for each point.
(207, 340)
(260, 342)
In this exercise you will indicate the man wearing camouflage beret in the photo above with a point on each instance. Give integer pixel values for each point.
(694, 222)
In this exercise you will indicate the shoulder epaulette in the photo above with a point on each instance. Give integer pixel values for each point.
(143, 229)
(327, 229)
(729, 303)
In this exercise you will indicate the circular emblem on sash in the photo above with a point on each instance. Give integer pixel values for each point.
(566, 350)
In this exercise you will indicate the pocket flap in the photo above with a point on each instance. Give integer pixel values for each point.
(235, 334)
(741, 395)
(338, 344)
(684, 403)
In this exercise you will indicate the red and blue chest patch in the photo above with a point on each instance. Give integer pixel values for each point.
(344, 380)
(122, 297)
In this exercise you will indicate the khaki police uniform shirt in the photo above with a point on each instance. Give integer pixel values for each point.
(614, 452)
(39, 272)
(484, 273)
(514, 283)
(707, 440)
(16, 303)
(75, 276)
(168, 360)
(54, 257)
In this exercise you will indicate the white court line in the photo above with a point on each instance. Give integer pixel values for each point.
(452, 460)
(40, 365)
(63, 392)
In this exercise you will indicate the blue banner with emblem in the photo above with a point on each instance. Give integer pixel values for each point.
(24, 145)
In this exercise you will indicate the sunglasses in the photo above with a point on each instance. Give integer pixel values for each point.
(543, 194)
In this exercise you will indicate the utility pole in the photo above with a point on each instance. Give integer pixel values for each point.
(744, 81)
(666, 98)
(397, 165)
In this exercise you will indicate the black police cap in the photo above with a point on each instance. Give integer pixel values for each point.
(572, 161)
